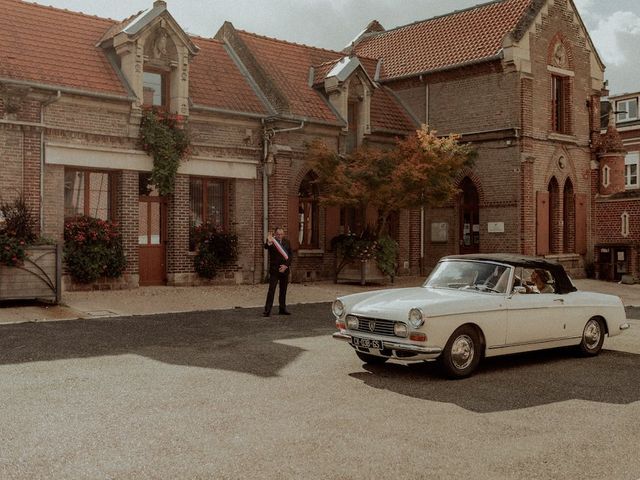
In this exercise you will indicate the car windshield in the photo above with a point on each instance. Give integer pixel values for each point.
(470, 275)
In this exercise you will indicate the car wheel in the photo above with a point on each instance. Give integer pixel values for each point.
(592, 337)
(372, 359)
(462, 353)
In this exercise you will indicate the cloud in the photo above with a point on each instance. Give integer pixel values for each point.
(614, 34)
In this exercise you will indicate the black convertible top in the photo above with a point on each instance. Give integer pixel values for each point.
(562, 283)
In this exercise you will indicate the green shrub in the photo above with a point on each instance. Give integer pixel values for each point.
(366, 246)
(164, 137)
(93, 249)
(214, 249)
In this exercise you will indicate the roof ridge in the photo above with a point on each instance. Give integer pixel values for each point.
(73, 12)
(265, 37)
(448, 14)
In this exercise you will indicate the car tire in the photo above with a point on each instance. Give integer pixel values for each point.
(462, 353)
(371, 359)
(592, 337)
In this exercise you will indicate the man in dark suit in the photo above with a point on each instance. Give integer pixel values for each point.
(280, 255)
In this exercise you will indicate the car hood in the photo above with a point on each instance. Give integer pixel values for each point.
(396, 303)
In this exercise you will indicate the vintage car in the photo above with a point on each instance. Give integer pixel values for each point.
(475, 306)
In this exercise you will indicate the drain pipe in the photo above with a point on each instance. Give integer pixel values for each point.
(267, 137)
(44, 104)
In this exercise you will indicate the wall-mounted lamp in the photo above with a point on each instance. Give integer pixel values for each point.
(270, 164)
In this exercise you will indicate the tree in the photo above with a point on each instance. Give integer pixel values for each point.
(420, 170)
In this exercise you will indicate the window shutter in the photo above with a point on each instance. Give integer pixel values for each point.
(293, 225)
(542, 223)
(332, 224)
(581, 223)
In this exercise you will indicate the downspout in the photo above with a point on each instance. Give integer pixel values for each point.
(422, 212)
(267, 136)
(42, 107)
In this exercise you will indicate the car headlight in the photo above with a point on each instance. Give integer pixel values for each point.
(400, 329)
(337, 308)
(416, 317)
(352, 322)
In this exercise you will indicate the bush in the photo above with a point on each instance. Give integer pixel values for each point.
(214, 249)
(12, 251)
(18, 221)
(366, 246)
(93, 249)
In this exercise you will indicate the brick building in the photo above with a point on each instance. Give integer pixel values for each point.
(518, 78)
(617, 192)
(522, 81)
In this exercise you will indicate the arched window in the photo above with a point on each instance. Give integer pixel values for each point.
(308, 213)
(569, 218)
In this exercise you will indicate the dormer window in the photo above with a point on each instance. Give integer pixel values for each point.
(155, 89)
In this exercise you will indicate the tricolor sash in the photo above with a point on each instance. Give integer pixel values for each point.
(280, 249)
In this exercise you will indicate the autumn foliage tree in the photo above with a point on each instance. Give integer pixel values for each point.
(420, 170)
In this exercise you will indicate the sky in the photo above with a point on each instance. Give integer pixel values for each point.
(614, 25)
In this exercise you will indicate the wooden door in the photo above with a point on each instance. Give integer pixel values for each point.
(469, 218)
(542, 223)
(152, 228)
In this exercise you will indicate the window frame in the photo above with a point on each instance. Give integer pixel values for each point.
(164, 88)
(560, 104)
(619, 107)
(624, 227)
(306, 204)
(632, 158)
(606, 176)
(205, 203)
(111, 192)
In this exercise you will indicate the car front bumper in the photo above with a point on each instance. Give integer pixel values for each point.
(421, 352)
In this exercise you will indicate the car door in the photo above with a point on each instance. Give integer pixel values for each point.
(534, 317)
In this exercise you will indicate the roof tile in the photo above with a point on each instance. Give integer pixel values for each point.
(459, 37)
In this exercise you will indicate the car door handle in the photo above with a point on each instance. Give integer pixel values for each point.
(561, 300)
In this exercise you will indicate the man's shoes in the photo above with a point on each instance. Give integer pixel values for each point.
(285, 312)
(266, 314)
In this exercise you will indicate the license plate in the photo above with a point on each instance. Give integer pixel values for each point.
(366, 343)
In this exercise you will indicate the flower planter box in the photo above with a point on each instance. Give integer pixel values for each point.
(365, 271)
(38, 278)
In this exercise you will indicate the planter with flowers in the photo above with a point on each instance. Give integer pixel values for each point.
(214, 250)
(365, 258)
(30, 267)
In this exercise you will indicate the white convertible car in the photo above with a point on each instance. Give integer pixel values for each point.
(475, 306)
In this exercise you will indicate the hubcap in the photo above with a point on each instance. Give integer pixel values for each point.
(462, 352)
(592, 334)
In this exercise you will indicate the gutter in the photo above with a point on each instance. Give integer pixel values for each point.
(73, 91)
(469, 63)
(224, 111)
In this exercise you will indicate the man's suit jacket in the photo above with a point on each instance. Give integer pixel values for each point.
(275, 257)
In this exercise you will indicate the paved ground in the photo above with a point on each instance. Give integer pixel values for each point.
(150, 300)
(227, 394)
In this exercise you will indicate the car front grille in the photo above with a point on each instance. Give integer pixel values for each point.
(380, 326)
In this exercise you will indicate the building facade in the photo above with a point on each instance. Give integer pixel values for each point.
(617, 193)
(520, 79)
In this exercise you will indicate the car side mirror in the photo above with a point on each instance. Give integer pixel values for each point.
(519, 290)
